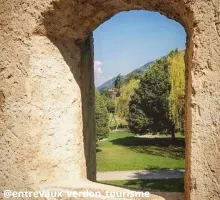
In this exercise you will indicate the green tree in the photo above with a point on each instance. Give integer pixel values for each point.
(149, 104)
(110, 104)
(101, 117)
(122, 102)
(137, 119)
(177, 92)
(118, 82)
(131, 76)
(106, 93)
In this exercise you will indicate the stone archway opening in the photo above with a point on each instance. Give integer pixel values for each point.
(141, 144)
(88, 44)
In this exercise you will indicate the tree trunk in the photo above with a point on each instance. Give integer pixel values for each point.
(173, 132)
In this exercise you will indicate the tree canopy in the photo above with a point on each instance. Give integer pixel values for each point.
(126, 91)
(118, 82)
(152, 102)
(177, 91)
(157, 105)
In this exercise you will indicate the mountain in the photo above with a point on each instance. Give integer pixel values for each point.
(107, 85)
(142, 69)
(110, 83)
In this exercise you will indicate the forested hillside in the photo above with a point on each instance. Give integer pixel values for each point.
(110, 83)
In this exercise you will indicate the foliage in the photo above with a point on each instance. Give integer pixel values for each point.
(158, 103)
(121, 123)
(148, 108)
(118, 82)
(137, 120)
(131, 76)
(110, 83)
(122, 102)
(177, 92)
(109, 103)
(106, 93)
(101, 116)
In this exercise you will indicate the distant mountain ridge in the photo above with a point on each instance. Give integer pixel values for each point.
(110, 83)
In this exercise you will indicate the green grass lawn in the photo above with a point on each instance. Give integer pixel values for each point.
(123, 151)
(170, 185)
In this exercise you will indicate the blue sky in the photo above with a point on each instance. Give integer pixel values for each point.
(131, 39)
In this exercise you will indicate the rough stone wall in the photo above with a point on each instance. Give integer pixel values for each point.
(46, 76)
(205, 105)
(41, 136)
(88, 107)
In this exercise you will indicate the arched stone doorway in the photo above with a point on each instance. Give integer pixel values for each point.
(46, 97)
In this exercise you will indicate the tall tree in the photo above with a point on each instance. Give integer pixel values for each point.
(122, 102)
(118, 82)
(101, 117)
(177, 92)
(150, 101)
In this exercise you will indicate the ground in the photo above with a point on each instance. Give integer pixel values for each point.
(123, 151)
(140, 174)
(175, 185)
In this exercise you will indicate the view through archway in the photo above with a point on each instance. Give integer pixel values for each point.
(140, 78)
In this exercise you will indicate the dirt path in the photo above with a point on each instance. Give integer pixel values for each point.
(142, 174)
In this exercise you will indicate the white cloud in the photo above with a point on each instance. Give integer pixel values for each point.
(97, 68)
(100, 77)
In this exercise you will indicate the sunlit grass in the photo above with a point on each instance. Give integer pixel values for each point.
(123, 151)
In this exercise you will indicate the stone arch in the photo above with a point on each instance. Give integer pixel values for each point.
(47, 66)
(67, 19)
